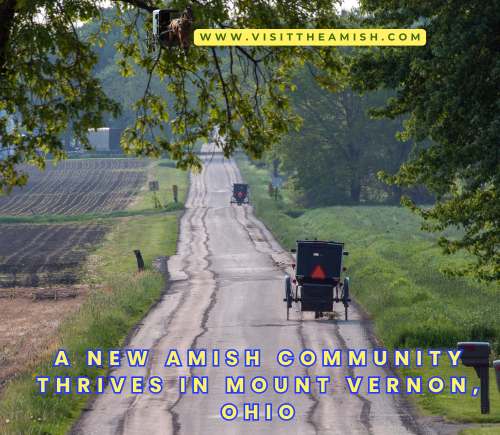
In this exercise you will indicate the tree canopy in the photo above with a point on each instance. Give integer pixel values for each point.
(47, 79)
(339, 149)
(450, 89)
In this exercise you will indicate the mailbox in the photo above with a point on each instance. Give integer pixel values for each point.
(475, 354)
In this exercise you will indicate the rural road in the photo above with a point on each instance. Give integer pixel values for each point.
(226, 291)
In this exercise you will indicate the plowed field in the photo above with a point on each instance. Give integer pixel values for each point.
(77, 186)
(28, 323)
(40, 255)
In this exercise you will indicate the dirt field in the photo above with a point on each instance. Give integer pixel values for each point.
(77, 186)
(28, 323)
(43, 255)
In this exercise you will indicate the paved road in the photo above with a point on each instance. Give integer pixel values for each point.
(226, 292)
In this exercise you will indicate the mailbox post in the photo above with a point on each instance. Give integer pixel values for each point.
(496, 366)
(140, 261)
(477, 355)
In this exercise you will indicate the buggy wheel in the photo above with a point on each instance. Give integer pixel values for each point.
(288, 296)
(288, 308)
(345, 297)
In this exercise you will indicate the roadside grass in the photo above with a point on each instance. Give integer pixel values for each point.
(165, 172)
(114, 256)
(38, 219)
(394, 275)
(479, 431)
(102, 322)
(463, 408)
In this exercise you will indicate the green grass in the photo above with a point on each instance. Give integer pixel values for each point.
(152, 235)
(480, 431)
(462, 408)
(47, 218)
(165, 172)
(101, 323)
(394, 274)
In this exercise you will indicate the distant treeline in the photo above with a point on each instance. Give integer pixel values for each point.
(335, 156)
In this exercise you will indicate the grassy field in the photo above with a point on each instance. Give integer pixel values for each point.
(479, 431)
(101, 323)
(394, 274)
(39, 219)
(114, 256)
(107, 314)
(165, 172)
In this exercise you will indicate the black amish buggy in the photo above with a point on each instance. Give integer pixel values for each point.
(161, 22)
(318, 275)
(240, 194)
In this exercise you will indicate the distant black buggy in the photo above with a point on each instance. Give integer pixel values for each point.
(318, 273)
(240, 194)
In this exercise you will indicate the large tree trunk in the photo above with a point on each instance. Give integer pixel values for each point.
(355, 193)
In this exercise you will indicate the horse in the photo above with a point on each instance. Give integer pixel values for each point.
(181, 27)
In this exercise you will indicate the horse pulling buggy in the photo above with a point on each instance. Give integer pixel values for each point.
(240, 194)
(171, 32)
(318, 278)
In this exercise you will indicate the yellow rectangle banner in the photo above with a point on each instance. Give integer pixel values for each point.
(294, 37)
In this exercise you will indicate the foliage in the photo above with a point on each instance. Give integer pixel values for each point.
(46, 78)
(339, 149)
(450, 87)
(155, 200)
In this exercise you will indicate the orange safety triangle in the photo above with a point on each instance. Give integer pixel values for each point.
(239, 194)
(318, 273)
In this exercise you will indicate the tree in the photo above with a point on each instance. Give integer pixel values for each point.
(46, 78)
(339, 148)
(451, 88)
